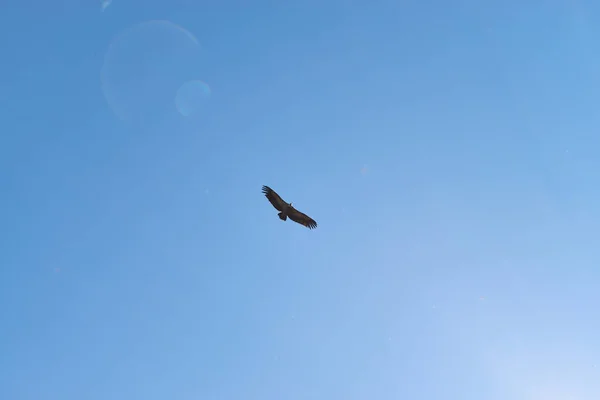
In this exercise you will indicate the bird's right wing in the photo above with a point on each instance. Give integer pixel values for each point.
(273, 198)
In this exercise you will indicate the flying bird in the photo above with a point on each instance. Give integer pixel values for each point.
(287, 210)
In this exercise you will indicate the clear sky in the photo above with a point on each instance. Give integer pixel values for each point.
(449, 151)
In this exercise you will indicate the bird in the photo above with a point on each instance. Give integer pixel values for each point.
(287, 210)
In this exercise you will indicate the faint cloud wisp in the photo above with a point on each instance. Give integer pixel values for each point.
(105, 3)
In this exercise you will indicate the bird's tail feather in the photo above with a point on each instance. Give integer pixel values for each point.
(282, 216)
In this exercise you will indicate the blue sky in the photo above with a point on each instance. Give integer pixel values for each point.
(447, 150)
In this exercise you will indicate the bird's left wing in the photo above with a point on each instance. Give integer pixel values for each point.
(301, 218)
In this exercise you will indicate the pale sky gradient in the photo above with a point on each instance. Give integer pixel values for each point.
(449, 151)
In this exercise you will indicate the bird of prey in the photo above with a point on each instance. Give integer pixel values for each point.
(287, 210)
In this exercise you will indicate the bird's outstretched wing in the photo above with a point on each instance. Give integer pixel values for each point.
(301, 218)
(273, 198)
